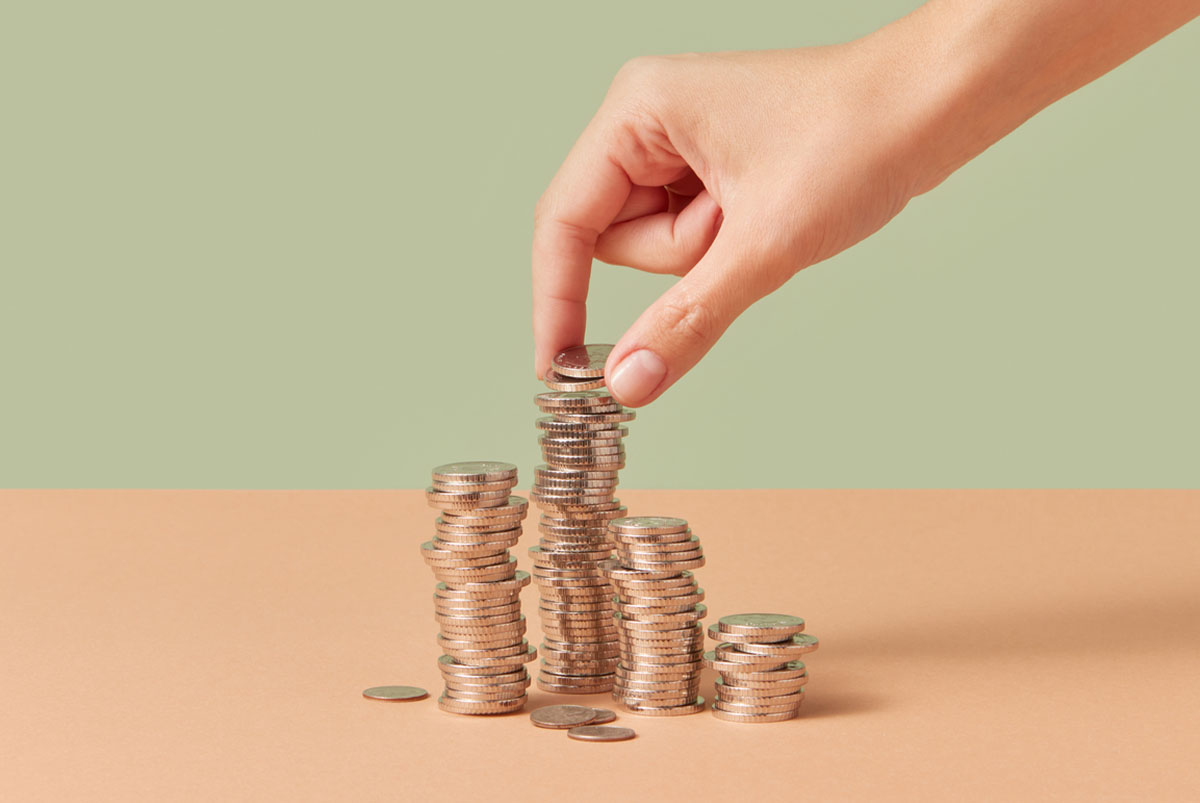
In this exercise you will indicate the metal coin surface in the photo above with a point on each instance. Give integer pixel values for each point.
(601, 733)
(395, 693)
(761, 624)
(603, 715)
(475, 471)
(582, 362)
(560, 717)
(751, 719)
(556, 381)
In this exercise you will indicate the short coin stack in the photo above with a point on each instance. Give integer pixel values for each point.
(581, 441)
(658, 615)
(761, 680)
(477, 601)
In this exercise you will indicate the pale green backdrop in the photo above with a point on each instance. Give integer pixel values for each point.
(252, 244)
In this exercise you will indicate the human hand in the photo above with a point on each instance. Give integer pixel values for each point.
(731, 170)
(736, 170)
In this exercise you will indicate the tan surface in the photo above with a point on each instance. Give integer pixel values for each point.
(976, 645)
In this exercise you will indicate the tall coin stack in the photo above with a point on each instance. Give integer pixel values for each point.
(761, 680)
(477, 599)
(581, 441)
(658, 615)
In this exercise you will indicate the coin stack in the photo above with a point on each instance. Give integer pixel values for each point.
(761, 680)
(658, 615)
(581, 444)
(477, 599)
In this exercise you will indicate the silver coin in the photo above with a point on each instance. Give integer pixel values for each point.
(556, 381)
(562, 716)
(647, 525)
(603, 716)
(475, 471)
(395, 693)
(583, 362)
(750, 622)
(601, 733)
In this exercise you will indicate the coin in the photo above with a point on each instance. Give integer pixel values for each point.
(753, 718)
(761, 624)
(584, 362)
(475, 471)
(562, 716)
(601, 733)
(395, 693)
(480, 707)
(648, 525)
(557, 381)
(603, 715)
(793, 648)
(693, 707)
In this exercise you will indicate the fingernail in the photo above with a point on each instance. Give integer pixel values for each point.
(637, 377)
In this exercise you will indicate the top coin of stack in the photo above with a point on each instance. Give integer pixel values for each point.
(658, 615)
(477, 601)
(581, 442)
(761, 678)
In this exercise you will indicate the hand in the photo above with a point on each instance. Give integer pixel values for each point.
(736, 170)
(731, 170)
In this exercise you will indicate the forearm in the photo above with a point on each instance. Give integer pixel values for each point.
(983, 67)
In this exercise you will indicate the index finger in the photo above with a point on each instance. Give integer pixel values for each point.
(582, 200)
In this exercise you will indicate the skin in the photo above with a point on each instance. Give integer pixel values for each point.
(736, 170)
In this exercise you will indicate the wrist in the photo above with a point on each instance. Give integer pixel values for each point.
(971, 71)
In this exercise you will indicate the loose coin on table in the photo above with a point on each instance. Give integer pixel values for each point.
(562, 716)
(603, 715)
(395, 693)
(601, 733)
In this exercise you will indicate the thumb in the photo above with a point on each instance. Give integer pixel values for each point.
(685, 322)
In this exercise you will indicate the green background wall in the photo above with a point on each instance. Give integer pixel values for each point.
(252, 244)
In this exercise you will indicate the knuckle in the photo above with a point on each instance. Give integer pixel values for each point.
(691, 321)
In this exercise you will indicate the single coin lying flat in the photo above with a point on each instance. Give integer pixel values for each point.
(559, 717)
(395, 693)
(601, 733)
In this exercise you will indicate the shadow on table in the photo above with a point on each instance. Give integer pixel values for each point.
(1167, 619)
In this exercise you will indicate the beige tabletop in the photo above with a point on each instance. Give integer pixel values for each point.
(975, 645)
